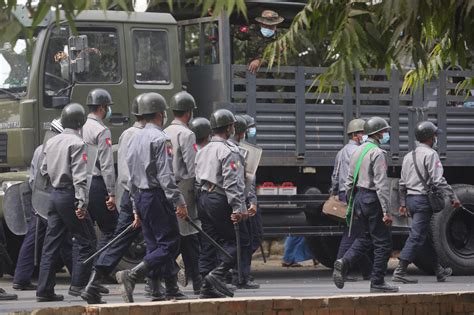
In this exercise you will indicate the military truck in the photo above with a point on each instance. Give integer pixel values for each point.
(299, 131)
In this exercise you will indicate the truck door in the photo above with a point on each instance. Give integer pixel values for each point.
(106, 70)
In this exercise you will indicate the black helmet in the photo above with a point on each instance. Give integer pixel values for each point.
(99, 97)
(222, 118)
(135, 104)
(73, 116)
(374, 125)
(250, 120)
(151, 103)
(201, 127)
(240, 124)
(182, 101)
(425, 130)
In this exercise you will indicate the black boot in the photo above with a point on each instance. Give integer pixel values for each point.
(172, 290)
(382, 287)
(400, 273)
(156, 293)
(340, 272)
(217, 279)
(442, 273)
(209, 292)
(128, 278)
(197, 284)
(91, 294)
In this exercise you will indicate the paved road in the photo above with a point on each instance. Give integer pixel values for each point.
(274, 280)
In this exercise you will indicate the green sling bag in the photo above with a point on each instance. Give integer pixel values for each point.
(349, 212)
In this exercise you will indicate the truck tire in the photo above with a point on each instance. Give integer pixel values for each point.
(453, 233)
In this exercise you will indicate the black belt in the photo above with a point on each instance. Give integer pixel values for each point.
(366, 190)
(64, 188)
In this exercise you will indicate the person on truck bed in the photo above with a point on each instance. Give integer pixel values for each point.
(355, 130)
(414, 198)
(368, 178)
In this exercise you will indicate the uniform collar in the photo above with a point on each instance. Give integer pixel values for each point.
(372, 140)
(151, 125)
(353, 142)
(232, 140)
(179, 122)
(218, 139)
(70, 131)
(138, 125)
(422, 145)
(95, 117)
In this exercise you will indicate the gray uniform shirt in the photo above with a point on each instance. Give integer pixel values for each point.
(184, 150)
(431, 170)
(96, 133)
(372, 174)
(341, 166)
(34, 165)
(65, 161)
(149, 161)
(219, 163)
(123, 145)
(252, 193)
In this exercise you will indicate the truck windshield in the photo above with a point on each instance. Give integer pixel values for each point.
(14, 67)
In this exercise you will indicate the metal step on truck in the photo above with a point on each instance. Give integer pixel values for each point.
(300, 131)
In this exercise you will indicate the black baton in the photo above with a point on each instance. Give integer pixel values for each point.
(112, 242)
(209, 238)
(239, 252)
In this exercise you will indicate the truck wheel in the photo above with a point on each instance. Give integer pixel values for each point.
(453, 233)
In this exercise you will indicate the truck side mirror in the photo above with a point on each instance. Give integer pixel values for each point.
(78, 54)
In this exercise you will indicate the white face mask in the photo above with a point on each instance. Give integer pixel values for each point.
(364, 138)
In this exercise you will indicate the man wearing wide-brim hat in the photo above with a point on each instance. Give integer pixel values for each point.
(259, 37)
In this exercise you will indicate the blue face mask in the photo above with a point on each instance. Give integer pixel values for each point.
(266, 32)
(109, 112)
(386, 138)
(364, 138)
(252, 132)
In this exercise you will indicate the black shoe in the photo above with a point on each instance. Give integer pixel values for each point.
(249, 285)
(197, 285)
(75, 291)
(51, 298)
(172, 290)
(400, 273)
(24, 287)
(156, 290)
(4, 296)
(128, 278)
(209, 292)
(103, 289)
(383, 287)
(339, 273)
(91, 294)
(443, 273)
(217, 283)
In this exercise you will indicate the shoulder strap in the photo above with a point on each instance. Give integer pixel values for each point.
(423, 181)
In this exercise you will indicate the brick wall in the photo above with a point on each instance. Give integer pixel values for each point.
(396, 304)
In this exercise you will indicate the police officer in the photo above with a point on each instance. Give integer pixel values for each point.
(65, 162)
(355, 130)
(258, 37)
(109, 259)
(184, 155)
(251, 132)
(157, 201)
(221, 201)
(34, 237)
(202, 130)
(371, 206)
(413, 196)
(102, 191)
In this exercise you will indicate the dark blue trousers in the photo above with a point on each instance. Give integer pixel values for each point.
(161, 232)
(375, 233)
(106, 220)
(26, 258)
(246, 251)
(190, 248)
(109, 259)
(256, 230)
(61, 219)
(420, 233)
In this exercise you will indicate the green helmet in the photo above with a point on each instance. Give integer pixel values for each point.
(425, 130)
(99, 97)
(374, 125)
(201, 127)
(73, 116)
(151, 103)
(135, 104)
(182, 101)
(240, 124)
(250, 120)
(355, 125)
(221, 118)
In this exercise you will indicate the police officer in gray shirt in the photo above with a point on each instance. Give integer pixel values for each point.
(355, 130)
(109, 259)
(221, 201)
(65, 162)
(371, 206)
(413, 196)
(155, 198)
(102, 191)
(184, 156)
